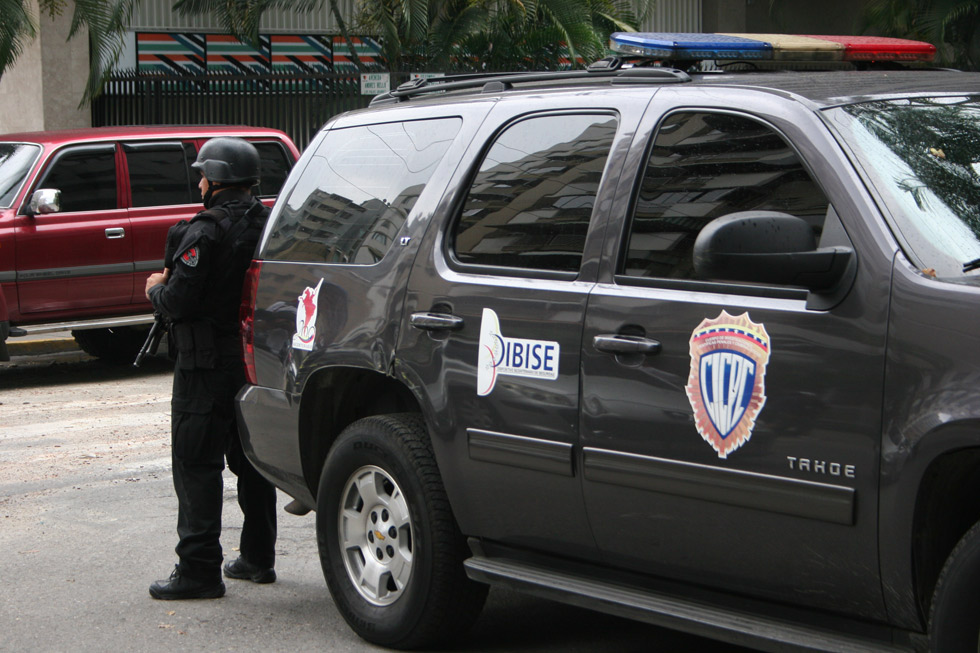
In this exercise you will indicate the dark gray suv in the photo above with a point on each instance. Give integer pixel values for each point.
(697, 348)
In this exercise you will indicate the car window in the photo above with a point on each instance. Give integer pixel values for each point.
(701, 166)
(159, 174)
(357, 190)
(923, 156)
(275, 168)
(530, 204)
(86, 177)
(16, 160)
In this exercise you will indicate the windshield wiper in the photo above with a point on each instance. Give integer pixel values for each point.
(970, 266)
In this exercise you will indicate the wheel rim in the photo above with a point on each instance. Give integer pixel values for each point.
(376, 535)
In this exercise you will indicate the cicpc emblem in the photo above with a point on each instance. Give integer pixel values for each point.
(726, 387)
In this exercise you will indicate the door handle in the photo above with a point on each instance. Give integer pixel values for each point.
(115, 232)
(614, 343)
(436, 321)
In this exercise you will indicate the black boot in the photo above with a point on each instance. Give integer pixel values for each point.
(245, 570)
(180, 586)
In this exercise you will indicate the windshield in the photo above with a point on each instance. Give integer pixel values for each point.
(16, 160)
(923, 156)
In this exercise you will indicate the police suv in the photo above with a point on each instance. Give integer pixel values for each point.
(695, 344)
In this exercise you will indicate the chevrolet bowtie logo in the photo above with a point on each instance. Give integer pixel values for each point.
(378, 535)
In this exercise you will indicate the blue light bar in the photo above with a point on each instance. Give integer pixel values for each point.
(688, 46)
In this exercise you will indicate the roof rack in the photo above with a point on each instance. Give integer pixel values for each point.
(615, 68)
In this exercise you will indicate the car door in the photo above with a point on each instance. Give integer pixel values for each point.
(161, 191)
(81, 257)
(730, 430)
(495, 309)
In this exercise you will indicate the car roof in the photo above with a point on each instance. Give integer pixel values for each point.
(60, 137)
(828, 88)
(818, 88)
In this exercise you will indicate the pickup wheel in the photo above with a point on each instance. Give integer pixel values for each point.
(954, 624)
(390, 549)
(116, 345)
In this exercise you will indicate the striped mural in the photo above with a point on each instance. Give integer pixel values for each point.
(195, 54)
(171, 53)
(302, 54)
(227, 54)
(368, 51)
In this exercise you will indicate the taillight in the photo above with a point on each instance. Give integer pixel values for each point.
(246, 319)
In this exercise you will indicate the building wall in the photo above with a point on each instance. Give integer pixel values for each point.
(44, 88)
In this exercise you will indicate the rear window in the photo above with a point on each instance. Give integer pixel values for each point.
(159, 174)
(531, 201)
(357, 191)
(275, 164)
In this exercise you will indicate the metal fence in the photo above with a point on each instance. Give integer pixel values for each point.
(298, 104)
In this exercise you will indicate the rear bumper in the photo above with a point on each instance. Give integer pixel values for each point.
(268, 421)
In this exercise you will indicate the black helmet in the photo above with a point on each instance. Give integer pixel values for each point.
(228, 160)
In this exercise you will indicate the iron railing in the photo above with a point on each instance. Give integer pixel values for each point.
(298, 104)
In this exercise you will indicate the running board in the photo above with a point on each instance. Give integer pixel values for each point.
(97, 323)
(699, 618)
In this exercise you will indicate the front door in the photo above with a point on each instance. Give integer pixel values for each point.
(730, 432)
(81, 257)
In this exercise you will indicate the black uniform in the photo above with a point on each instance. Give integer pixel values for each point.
(201, 299)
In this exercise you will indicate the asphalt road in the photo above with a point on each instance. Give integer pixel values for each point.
(87, 522)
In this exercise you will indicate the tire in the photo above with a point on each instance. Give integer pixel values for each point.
(954, 622)
(117, 345)
(390, 549)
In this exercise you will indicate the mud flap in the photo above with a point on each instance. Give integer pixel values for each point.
(4, 332)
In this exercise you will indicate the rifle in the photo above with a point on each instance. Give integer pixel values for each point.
(153, 339)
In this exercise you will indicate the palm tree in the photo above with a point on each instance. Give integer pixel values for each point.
(105, 20)
(493, 35)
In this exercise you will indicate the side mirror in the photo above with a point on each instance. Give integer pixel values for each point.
(45, 200)
(768, 247)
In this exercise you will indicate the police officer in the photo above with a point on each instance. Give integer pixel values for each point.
(200, 295)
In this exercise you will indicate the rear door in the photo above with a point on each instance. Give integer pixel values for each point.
(495, 309)
(731, 431)
(162, 189)
(82, 257)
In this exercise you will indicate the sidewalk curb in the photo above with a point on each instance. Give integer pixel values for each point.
(33, 347)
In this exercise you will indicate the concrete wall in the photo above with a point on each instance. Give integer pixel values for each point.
(42, 91)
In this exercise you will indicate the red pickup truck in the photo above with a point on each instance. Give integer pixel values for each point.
(83, 219)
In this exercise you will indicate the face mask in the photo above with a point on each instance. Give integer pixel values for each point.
(209, 195)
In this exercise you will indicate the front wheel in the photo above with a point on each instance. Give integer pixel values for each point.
(954, 624)
(389, 545)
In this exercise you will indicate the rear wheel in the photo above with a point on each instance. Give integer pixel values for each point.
(389, 546)
(954, 625)
(116, 345)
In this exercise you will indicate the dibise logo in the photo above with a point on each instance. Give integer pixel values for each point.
(502, 356)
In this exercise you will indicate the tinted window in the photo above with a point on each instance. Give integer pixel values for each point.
(275, 167)
(159, 174)
(703, 166)
(531, 201)
(86, 177)
(357, 190)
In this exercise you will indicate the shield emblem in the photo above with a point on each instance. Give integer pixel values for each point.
(726, 386)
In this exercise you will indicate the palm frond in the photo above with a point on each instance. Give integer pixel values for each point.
(18, 27)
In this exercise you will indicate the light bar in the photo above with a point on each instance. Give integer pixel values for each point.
(684, 46)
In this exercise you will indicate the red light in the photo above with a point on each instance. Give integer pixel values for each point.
(881, 48)
(246, 318)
